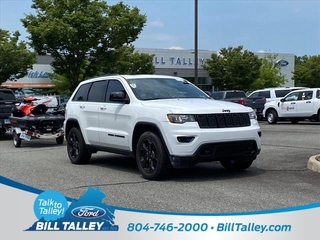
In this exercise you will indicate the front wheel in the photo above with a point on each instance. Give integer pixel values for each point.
(151, 156)
(16, 140)
(272, 117)
(236, 165)
(76, 147)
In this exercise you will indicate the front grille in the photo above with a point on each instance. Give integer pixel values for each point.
(224, 120)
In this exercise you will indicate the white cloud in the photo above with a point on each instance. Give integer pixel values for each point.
(176, 48)
(156, 24)
(261, 51)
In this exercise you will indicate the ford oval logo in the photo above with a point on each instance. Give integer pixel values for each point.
(283, 62)
(88, 212)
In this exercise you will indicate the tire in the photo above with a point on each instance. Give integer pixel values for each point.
(232, 165)
(272, 117)
(16, 140)
(77, 150)
(294, 121)
(3, 131)
(60, 140)
(151, 157)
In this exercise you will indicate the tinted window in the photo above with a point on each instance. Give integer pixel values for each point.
(265, 94)
(7, 95)
(254, 94)
(217, 95)
(82, 93)
(235, 95)
(281, 93)
(97, 91)
(114, 86)
(307, 95)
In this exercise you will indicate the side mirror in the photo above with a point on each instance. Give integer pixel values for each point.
(282, 100)
(119, 97)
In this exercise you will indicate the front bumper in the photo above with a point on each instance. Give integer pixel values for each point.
(238, 150)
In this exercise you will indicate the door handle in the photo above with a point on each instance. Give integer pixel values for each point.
(308, 102)
(103, 108)
(293, 103)
(82, 106)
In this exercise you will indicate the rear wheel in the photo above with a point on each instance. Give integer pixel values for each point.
(16, 139)
(60, 140)
(272, 117)
(236, 165)
(76, 147)
(151, 156)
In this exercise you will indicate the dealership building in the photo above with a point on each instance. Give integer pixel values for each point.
(167, 61)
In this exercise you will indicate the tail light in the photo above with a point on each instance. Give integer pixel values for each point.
(241, 101)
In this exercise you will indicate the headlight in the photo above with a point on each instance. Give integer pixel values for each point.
(253, 115)
(180, 118)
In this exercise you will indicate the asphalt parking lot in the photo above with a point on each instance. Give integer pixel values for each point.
(279, 177)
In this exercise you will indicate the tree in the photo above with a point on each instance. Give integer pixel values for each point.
(124, 60)
(270, 74)
(233, 68)
(81, 35)
(15, 58)
(307, 71)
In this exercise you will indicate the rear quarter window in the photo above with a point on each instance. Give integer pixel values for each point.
(82, 93)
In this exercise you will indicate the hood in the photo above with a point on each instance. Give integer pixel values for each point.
(196, 105)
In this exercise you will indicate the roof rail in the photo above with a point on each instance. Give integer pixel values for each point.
(109, 74)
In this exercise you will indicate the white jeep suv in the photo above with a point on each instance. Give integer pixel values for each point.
(161, 121)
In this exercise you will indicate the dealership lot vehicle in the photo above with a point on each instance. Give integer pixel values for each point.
(7, 103)
(295, 106)
(238, 96)
(272, 182)
(272, 94)
(31, 120)
(161, 121)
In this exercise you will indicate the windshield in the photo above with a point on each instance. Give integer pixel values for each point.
(164, 88)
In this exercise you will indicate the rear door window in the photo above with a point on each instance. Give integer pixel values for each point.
(97, 91)
(265, 94)
(281, 93)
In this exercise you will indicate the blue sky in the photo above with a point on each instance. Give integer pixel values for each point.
(270, 26)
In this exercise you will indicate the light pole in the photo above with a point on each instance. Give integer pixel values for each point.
(196, 42)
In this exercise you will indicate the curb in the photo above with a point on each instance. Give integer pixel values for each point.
(314, 164)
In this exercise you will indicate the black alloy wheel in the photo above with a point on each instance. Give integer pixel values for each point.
(76, 147)
(152, 159)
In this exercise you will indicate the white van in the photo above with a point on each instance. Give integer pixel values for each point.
(272, 94)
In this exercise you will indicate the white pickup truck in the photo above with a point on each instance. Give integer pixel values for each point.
(295, 106)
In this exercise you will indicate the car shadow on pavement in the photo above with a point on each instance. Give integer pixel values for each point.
(201, 172)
